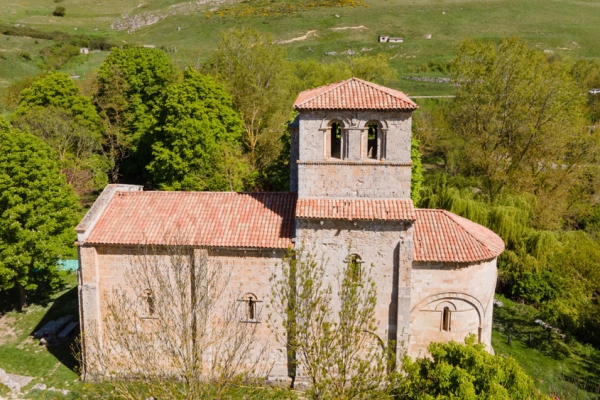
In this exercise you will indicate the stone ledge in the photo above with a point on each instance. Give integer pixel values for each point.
(362, 162)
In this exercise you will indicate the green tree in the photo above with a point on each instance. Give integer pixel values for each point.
(573, 278)
(332, 346)
(38, 211)
(54, 110)
(195, 144)
(520, 117)
(130, 82)
(465, 372)
(256, 73)
(56, 89)
(416, 172)
(310, 73)
(587, 75)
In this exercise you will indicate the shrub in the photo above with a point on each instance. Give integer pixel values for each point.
(59, 11)
(25, 56)
(466, 372)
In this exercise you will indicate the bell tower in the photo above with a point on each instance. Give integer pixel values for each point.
(351, 168)
(351, 139)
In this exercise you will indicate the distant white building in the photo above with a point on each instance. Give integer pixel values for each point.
(84, 50)
(388, 39)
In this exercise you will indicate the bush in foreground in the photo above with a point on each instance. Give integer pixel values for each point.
(467, 372)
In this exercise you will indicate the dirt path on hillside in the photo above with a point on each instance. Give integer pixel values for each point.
(297, 39)
(342, 28)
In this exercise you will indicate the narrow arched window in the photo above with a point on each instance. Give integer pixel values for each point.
(372, 141)
(354, 267)
(250, 311)
(150, 301)
(335, 140)
(446, 319)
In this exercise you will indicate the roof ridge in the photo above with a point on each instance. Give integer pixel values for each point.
(384, 89)
(199, 192)
(333, 86)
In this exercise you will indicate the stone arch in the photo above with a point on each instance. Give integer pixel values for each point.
(330, 119)
(449, 296)
(373, 140)
(364, 124)
(444, 304)
(251, 311)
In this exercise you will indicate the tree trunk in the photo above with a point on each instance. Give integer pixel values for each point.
(22, 297)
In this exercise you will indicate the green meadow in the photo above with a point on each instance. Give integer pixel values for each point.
(568, 29)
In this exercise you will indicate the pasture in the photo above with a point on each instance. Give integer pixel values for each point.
(567, 29)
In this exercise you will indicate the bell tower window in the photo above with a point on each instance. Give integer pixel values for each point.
(335, 140)
(372, 141)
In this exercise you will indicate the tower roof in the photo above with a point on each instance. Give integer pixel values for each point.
(354, 94)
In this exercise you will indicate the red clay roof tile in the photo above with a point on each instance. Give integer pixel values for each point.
(356, 209)
(353, 94)
(266, 220)
(442, 236)
(253, 220)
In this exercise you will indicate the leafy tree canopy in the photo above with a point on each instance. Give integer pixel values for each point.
(38, 211)
(465, 372)
(56, 89)
(130, 82)
(256, 73)
(195, 144)
(310, 73)
(139, 71)
(78, 148)
(520, 118)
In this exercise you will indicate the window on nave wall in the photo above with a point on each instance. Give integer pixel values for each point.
(250, 310)
(354, 267)
(446, 319)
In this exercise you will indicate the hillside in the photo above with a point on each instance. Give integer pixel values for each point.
(566, 28)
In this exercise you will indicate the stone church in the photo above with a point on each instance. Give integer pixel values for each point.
(350, 175)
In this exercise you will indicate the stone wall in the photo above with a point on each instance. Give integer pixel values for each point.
(467, 290)
(355, 175)
(105, 268)
(378, 180)
(386, 246)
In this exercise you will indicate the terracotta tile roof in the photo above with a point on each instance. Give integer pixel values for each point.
(253, 220)
(442, 236)
(353, 94)
(356, 209)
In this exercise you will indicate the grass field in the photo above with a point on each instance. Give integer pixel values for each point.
(21, 354)
(568, 28)
(567, 368)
